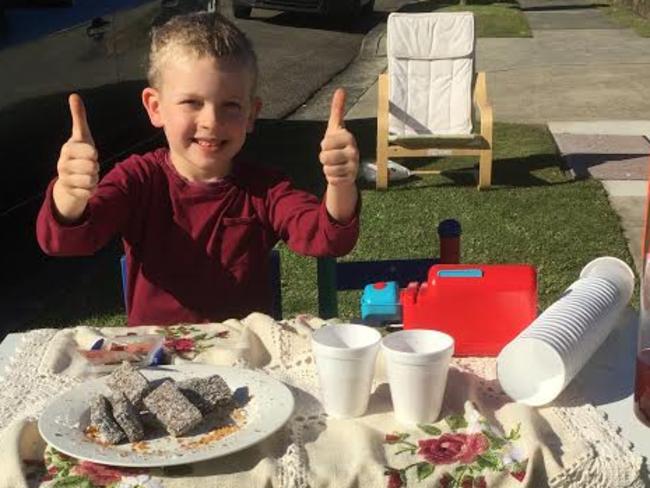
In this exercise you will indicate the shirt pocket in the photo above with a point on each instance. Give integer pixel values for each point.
(241, 241)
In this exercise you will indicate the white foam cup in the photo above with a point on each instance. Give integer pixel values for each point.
(345, 359)
(542, 360)
(417, 363)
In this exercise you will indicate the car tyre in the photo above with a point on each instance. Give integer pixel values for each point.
(241, 11)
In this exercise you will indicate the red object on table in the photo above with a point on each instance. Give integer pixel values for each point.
(483, 307)
(450, 250)
(449, 232)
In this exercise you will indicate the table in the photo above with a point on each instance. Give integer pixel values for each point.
(8, 348)
(607, 380)
(607, 384)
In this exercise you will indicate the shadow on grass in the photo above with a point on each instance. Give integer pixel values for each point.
(507, 173)
(294, 146)
(64, 291)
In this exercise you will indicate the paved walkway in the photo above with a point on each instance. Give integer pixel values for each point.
(587, 79)
(580, 73)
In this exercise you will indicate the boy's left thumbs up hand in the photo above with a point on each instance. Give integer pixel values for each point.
(339, 153)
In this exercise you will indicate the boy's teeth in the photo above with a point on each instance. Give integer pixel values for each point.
(206, 143)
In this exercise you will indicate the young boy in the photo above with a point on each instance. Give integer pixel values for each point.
(197, 221)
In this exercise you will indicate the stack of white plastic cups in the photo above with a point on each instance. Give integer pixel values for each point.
(542, 360)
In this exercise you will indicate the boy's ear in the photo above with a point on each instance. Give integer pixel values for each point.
(151, 102)
(256, 107)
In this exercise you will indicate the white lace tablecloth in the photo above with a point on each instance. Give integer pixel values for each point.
(569, 446)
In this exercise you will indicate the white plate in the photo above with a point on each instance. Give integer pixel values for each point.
(269, 406)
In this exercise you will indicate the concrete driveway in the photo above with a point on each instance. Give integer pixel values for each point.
(578, 65)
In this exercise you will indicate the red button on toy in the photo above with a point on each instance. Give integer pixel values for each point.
(380, 285)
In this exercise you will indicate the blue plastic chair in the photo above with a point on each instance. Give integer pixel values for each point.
(334, 276)
(274, 282)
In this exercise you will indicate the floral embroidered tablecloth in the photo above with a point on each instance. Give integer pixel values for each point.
(464, 449)
(481, 439)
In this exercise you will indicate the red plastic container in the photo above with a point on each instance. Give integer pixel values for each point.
(483, 307)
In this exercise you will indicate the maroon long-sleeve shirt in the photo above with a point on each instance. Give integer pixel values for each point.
(196, 252)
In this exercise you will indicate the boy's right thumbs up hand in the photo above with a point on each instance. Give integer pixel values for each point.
(78, 166)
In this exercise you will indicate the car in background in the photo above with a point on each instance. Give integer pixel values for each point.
(339, 9)
(48, 49)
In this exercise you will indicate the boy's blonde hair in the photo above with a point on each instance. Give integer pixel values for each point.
(199, 34)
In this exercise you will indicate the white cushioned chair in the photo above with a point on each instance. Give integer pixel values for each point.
(427, 97)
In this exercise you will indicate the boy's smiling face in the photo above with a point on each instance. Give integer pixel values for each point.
(205, 107)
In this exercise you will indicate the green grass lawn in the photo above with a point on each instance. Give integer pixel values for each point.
(534, 213)
(493, 18)
(626, 17)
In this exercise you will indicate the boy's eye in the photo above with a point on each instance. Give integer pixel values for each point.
(233, 105)
(190, 102)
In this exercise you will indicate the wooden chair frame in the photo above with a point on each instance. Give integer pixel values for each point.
(480, 145)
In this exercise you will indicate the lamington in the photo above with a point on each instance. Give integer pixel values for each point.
(207, 394)
(128, 380)
(101, 417)
(172, 409)
(127, 417)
